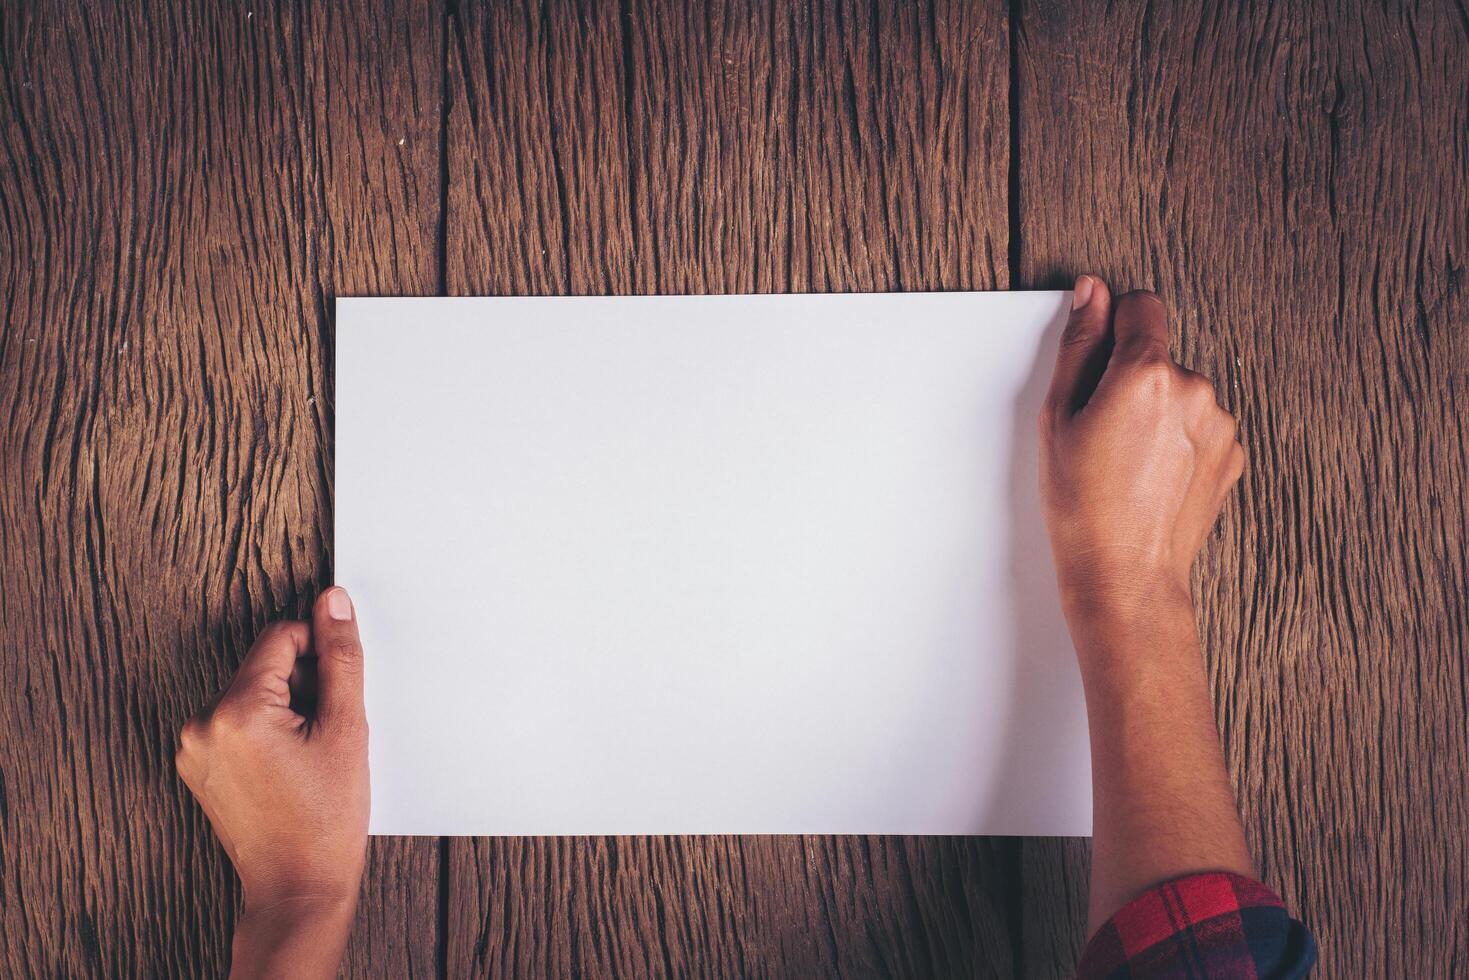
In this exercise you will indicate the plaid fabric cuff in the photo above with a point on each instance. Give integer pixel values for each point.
(1201, 927)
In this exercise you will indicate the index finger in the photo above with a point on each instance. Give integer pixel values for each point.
(1140, 326)
(267, 667)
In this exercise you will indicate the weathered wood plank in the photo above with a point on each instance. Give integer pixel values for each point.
(1293, 179)
(728, 148)
(185, 186)
(729, 906)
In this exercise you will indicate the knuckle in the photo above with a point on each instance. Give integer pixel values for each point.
(1159, 371)
(186, 760)
(1080, 331)
(271, 631)
(277, 632)
(230, 720)
(1197, 384)
(1144, 296)
(345, 651)
(196, 742)
(1153, 379)
(191, 735)
(1200, 391)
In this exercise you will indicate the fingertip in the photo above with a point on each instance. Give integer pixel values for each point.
(1090, 296)
(1140, 309)
(1088, 316)
(334, 621)
(1091, 305)
(1081, 293)
(337, 604)
(1141, 304)
(284, 632)
(1140, 322)
(273, 653)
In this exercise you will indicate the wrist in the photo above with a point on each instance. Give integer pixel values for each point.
(298, 935)
(315, 909)
(315, 898)
(1152, 615)
(314, 886)
(1136, 599)
(281, 922)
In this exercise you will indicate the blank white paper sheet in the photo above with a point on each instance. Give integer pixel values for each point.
(707, 565)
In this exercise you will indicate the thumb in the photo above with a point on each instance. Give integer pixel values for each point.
(1086, 344)
(338, 658)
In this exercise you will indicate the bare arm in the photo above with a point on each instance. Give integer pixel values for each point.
(1137, 458)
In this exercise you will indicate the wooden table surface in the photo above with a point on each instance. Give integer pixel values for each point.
(188, 185)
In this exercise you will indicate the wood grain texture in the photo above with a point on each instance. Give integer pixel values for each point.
(728, 906)
(1294, 179)
(706, 148)
(185, 186)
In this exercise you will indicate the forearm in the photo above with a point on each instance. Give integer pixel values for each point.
(1162, 799)
(294, 939)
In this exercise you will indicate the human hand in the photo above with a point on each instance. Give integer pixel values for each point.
(1136, 459)
(279, 764)
(1136, 456)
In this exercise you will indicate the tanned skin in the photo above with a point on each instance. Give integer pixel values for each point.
(279, 764)
(1136, 461)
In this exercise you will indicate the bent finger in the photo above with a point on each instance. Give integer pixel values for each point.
(1140, 326)
(266, 669)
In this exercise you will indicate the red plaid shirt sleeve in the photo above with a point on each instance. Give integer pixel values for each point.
(1201, 927)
